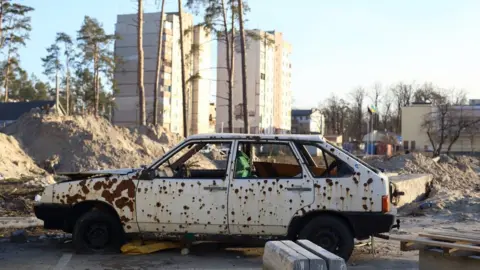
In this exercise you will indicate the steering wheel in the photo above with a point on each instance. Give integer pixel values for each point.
(332, 165)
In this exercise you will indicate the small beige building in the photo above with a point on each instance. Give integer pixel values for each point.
(415, 137)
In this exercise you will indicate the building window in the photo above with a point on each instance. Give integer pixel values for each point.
(262, 76)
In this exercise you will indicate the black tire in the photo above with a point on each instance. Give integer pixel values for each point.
(98, 232)
(330, 233)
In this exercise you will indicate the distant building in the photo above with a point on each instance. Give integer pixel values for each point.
(11, 111)
(268, 85)
(474, 102)
(415, 137)
(170, 114)
(310, 121)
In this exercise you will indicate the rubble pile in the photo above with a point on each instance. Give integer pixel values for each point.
(455, 191)
(79, 143)
(14, 162)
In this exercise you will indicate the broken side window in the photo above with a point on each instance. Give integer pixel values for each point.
(197, 160)
(266, 160)
(321, 163)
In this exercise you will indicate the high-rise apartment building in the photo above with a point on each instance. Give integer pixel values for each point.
(170, 113)
(268, 84)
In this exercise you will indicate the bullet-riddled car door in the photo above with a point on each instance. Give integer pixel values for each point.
(190, 191)
(268, 187)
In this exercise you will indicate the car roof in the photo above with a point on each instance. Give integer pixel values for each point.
(294, 137)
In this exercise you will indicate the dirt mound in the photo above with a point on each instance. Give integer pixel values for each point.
(455, 191)
(14, 162)
(79, 143)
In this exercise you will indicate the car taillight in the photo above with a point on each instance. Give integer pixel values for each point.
(385, 204)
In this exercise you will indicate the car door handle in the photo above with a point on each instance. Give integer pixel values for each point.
(299, 188)
(215, 188)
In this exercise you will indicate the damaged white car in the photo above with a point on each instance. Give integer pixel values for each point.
(282, 186)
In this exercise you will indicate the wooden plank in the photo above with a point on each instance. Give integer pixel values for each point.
(450, 238)
(427, 242)
(460, 234)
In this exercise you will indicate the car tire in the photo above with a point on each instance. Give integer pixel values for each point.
(98, 232)
(330, 233)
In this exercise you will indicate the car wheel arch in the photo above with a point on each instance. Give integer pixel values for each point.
(83, 207)
(297, 223)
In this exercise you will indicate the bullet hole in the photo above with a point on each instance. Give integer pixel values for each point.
(249, 218)
(246, 197)
(269, 189)
(336, 182)
(265, 181)
(369, 181)
(164, 187)
(209, 223)
(318, 206)
(302, 201)
(182, 184)
(290, 201)
(198, 183)
(271, 213)
(258, 183)
(233, 213)
(264, 193)
(332, 149)
(186, 207)
(139, 190)
(324, 194)
(364, 198)
(348, 189)
(324, 188)
(329, 198)
(365, 184)
(158, 204)
(236, 190)
(342, 198)
(290, 209)
(208, 212)
(180, 190)
(358, 173)
(365, 207)
(317, 186)
(324, 207)
(281, 186)
(223, 206)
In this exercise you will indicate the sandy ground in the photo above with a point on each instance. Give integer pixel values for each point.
(57, 253)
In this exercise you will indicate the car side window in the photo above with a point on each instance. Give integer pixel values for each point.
(197, 160)
(266, 160)
(323, 164)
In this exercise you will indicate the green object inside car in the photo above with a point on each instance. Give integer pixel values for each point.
(242, 165)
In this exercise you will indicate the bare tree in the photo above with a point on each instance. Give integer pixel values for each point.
(358, 97)
(448, 121)
(386, 112)
(158, 68)
(244, 68)
(141, 87)
(184, 83)
(402, 94)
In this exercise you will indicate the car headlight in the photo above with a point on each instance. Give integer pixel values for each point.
(38, 198)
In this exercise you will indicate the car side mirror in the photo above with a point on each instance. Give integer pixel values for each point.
(147, 174)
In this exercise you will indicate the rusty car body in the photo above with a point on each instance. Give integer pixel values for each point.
(294, 186)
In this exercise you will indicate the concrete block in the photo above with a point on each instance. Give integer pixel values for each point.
(436, 259)
(414, 186)
(333, 261)
(279, 255)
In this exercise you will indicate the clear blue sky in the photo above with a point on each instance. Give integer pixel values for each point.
(337, 45)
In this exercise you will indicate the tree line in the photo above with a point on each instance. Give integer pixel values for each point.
(80, 68)
(450, 117)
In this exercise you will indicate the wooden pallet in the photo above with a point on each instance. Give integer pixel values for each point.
(451, 243)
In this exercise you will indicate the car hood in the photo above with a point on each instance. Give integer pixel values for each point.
(89, 174)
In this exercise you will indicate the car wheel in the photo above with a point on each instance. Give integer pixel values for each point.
(331, 234)
(98, 232)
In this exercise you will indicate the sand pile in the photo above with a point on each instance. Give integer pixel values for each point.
(14, 162)
(455, 192)
(87, 143)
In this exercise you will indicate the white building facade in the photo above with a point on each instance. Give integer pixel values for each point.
(268, 85)
(170, 114)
